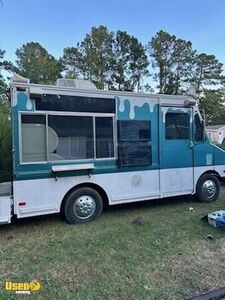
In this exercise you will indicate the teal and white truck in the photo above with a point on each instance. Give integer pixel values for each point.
(76, 148)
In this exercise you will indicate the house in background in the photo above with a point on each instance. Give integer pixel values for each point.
(216, 133)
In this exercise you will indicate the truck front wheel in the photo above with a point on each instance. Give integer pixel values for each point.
(83, 205)
(208, 188)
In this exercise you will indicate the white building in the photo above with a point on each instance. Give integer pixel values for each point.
(216, 133)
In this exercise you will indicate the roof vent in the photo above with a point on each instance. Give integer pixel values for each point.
(192, 92)
(76, 84)
(18, 78)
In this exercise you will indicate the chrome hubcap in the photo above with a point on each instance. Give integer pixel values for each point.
(209, 188)
(84, 207)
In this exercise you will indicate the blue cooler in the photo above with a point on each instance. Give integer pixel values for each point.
(217, 219)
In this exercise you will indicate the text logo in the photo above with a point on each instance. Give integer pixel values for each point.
(22, 287)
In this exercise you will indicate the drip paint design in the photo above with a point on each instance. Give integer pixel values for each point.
(23, 101)
(135, 103)
(29, 104)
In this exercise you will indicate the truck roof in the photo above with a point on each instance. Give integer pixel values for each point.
(21, 84)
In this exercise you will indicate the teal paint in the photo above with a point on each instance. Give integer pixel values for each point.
(173, 153)
(143, 113)
(122, 115)
(24, 103)
(219, 155)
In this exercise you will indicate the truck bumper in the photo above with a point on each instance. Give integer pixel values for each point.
(5, 203)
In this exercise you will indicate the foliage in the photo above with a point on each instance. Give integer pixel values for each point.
(206, 72)
(72, 62)
(5, 125)
(178, 65)
(116, 61)
(91, 59)
(5, 142)
(35, 63)
(4, 64)
(173, 58)
(212, 102)
(131, 62)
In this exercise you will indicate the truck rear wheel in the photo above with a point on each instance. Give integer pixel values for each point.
(83, 205)
(208, 188)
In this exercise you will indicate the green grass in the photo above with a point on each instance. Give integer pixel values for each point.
(168, 257)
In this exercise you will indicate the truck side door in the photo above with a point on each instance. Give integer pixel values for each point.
(176, 151)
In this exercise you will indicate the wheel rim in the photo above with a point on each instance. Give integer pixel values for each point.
(209, 188)
(84, 207)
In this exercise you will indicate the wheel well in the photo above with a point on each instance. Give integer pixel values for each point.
(213, 173)
(94, 186)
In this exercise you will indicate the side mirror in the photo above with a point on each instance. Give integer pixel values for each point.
(199, 129)
(194, 129)
(204, 134)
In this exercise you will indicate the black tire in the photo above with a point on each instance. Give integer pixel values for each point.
(208, 188)
(75, 213)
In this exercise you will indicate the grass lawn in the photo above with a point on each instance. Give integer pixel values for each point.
(167, 257)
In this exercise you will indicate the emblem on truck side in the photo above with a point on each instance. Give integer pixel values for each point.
(136, 181)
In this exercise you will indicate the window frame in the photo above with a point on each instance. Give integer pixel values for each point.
(113, 136)
(189, 127)
(62, 113)
(147, 141)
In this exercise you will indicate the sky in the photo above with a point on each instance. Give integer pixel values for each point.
(59, 24)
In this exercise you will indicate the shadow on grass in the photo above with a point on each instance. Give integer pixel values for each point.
(151, 203)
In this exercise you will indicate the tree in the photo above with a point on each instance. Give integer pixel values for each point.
(4, 65)
(212, 102)
(35, 63)
(72, 62)
(121, 48)
(182, 60)
(117, 61)
(206, 72)
(173, 58)
(138, 63)
(5, 125)
(5, 142)
(98, 54)
(91, 59)
(130, 64)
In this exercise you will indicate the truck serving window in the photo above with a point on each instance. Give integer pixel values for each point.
(54, 137)
(74, 137)
(104, 137)
(177, 126)
(134, 143)
(33, 138)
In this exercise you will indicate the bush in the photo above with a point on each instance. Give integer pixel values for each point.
(5, 140)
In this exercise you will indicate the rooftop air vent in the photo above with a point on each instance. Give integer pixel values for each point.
(76, 83)
(18, 78)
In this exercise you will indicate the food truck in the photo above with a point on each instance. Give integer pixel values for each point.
(76, 148)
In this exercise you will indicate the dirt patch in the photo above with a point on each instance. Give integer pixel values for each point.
(203, 269)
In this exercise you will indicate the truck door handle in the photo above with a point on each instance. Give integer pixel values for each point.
(191, 144)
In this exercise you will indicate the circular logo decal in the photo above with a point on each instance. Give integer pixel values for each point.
(136, 181)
